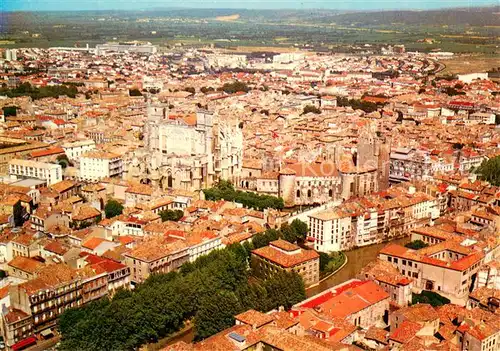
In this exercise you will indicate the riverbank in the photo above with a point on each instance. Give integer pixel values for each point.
(186, 334)
(335, 264)
(356, 260)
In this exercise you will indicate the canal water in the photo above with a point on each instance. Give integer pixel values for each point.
(356, 260)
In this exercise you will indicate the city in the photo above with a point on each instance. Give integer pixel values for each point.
(216, 194)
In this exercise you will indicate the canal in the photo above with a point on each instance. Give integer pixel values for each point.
(356, 260)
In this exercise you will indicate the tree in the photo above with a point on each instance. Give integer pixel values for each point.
(216, 313)
(171, 215)
(10, 111)
(311, 109)
(134, 92)
(324, 259)
(18, 213)
(231, 88)
(430, 297)
(288, 233)
(300, 229)
(190, 90)
(211, 290)
(489, 170)
(416, 245)
(458, 146)
(113, 208)
(284, 289)
(64, 161)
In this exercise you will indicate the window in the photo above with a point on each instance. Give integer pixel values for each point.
(389, 259)
(395, 260)
(404, 263)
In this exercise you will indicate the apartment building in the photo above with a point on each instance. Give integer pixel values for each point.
(96, 165)
(371, 219)
(449, 267)
(50, 172)
(155, 255)
(74, 150)
(281, 255)
(406, 164)
(388, 278)
(360, 302)
(37, 303)
(56, 288)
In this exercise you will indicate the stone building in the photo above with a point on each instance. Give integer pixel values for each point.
(281, 255)
(189, 152)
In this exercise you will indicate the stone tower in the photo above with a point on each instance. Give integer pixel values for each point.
(286, 186)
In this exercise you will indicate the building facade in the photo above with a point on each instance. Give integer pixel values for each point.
(50, 172)
(281, 255)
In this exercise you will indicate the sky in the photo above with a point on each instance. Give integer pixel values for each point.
(68, 5)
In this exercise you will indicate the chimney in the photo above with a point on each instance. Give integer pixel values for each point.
(411, 190)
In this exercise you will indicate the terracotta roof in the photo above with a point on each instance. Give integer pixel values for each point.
(254, 318)
(284, 259)
(405, 332)
(26, 264)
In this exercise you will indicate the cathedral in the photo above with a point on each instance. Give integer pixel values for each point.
(189, 152)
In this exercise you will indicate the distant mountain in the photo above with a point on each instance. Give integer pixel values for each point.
(474, 16)
(479, 16)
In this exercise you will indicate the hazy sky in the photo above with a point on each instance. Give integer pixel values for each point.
(34, 5)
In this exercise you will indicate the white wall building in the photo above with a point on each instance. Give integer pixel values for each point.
(50, 172)
(74, 150)
(95, 165)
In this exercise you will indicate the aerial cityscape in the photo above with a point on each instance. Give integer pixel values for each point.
(259, 176)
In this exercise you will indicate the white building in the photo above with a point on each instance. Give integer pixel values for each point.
(203, 245)
(74, 150)
(358, 224)
(136, 47)
(470, 77)
(50, 172)
(95, 165)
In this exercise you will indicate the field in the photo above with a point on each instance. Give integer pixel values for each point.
(472, 31)
(470, 64)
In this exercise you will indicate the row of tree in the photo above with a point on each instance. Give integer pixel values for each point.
(209, 291)
(357, 104)
(224, 190)
(26, 89)
(234, 87)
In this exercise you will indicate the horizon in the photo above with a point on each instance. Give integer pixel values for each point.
(148, 5)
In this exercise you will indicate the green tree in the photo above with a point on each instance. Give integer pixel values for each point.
(311, 109)
(134, 92)
(489, 170)
(18, 213)
(284, 289)
(10, 111)
(288, 233)
(300, 229)
(113, 208)
(231, 88)
(171, 215)
(63, 160)
(416, 245)
(216, 313)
